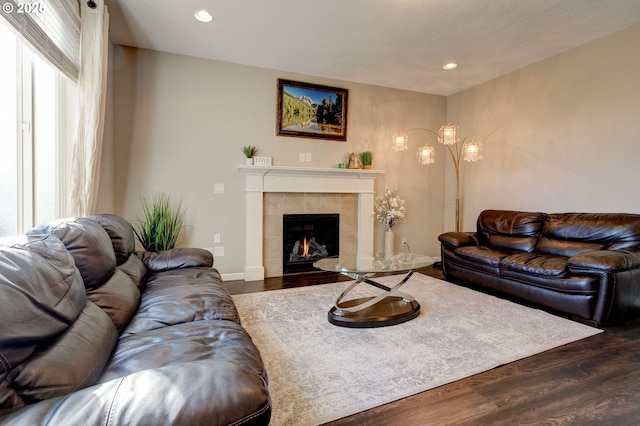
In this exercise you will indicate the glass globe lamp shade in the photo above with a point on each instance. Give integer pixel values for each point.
(472, 151)
(426, 155)
(449, 134)
(400, 142)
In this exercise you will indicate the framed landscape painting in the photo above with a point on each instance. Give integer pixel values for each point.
(311, 111)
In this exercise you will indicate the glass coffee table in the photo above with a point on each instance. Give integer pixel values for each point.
(390, 307)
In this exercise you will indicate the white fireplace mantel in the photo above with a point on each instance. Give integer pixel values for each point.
(261, 179)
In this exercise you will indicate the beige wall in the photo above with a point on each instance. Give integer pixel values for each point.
(179, 123)
(559, 135)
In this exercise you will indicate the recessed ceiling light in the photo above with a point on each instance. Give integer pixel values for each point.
(203, 16)
(450, 66)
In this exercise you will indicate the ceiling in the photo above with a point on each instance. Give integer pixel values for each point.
(393, 43)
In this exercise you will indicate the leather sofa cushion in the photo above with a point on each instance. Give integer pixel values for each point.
(87, 241)
(605, 261)
(41, 294)
(119, 298)
(182, 295)
(135, 269)
(536, 264)
(566, 248)
(483, 254)
(71, 361)
(221, 341)
(572, 285)
(188, 393)
(121, 233)
(210, 369)
(471, 265)
(613, 230)
(510, 242)
(510, 229)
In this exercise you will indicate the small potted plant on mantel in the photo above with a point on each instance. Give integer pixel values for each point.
(367, 159)
(249, 151)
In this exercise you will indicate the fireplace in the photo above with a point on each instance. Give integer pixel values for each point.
(263, 232)
(308, 238)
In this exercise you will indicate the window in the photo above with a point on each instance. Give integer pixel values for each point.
(32, 129)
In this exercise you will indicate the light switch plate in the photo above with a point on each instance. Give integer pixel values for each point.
(218, 188)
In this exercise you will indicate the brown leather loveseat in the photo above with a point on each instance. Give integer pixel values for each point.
(585, 265)
(94, 333)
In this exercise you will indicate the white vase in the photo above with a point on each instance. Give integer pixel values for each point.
(249, 161)
(388, 243)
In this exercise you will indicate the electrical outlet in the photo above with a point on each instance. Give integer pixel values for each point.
(216, 238)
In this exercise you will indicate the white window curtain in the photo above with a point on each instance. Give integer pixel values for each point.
(92, 85)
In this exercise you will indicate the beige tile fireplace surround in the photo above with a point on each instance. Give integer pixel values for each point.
(272, 191)
(277, 204)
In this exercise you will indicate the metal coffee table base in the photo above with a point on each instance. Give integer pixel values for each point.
(389, 308)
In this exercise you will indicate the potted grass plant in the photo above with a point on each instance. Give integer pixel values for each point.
(161, 223)
(367, 159)
(249, 151)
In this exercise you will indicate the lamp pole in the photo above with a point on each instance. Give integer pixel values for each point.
(455, 157)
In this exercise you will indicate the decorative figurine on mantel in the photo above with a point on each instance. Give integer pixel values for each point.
(354, 161)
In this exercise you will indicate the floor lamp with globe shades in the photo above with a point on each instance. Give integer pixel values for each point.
(449, 135)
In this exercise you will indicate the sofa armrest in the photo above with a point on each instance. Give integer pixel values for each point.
(454, 240)
(604, 261)
(183, 257)
(188, 393)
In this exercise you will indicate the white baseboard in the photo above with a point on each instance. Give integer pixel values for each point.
(232, 277)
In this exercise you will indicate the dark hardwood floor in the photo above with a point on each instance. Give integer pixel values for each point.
(594, 381)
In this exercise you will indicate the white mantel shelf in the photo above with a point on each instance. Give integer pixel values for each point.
(294, 170)
(307, 179)
(261, 179)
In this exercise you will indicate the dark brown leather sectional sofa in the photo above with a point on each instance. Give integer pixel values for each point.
(93, 333)
(585, 265)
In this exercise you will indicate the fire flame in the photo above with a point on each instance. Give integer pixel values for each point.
(305, 248)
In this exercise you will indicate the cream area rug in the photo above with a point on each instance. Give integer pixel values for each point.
(319, 372)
